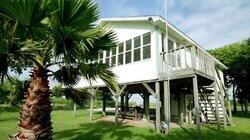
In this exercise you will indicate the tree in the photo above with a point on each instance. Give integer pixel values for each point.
(236, 57)
(57, 91)
(46, 33)
(12, 91)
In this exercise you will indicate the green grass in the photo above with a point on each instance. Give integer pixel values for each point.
(66, 127)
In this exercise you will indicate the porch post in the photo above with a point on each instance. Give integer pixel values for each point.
(116, 109)
(146, 104)
(196, 104)
(158, 104)
(122, 103)
(167, 105)
(181, 108)
(104, 105)
(126, 100)
(74, 110)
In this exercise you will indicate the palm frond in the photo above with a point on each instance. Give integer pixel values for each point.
(80, 97)
(93, 71)
(69, 19)
(67, 75)
(95, 41)
(28, 14)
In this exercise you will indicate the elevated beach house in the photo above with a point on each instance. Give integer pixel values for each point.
(155, 58)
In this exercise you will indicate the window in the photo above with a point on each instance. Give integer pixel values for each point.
(146, 52)
(137, 54)
(170, 44)
(146, 49)
(121, 53)
(101, 57)
(128, 57)
(113, 57)
(128, 52)
(146, 39)
(128, 45)
(137, 42)
(113, 61)
(107, 53)
(120, 47)
(120, 59)
(107, 61)
(137, 48)
(113, 51)
(134, 50)
(107, 58)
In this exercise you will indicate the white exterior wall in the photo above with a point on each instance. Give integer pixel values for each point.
(134, 71)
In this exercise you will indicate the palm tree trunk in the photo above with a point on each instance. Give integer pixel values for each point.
(35, 120)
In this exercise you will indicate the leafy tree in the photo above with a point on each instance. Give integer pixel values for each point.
(236, 57)
(3, 95)
(45, 33)
(57, 91)
(12, 91)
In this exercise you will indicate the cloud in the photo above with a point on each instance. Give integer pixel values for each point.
(212, 23)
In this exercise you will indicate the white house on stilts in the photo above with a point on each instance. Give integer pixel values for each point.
(173, 68)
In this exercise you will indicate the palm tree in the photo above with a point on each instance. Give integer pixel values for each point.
(46, 35)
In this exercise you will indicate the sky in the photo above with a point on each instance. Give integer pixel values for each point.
(211, 23)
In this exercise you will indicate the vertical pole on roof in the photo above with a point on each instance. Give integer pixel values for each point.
(167, 81)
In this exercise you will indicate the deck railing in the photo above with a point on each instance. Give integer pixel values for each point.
(186, 57)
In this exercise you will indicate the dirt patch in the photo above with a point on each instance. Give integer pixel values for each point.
(137, 123)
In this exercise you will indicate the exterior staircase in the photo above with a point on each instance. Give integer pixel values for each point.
(208, 107)
(208, 104)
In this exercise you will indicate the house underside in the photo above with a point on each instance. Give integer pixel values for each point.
(178, 98)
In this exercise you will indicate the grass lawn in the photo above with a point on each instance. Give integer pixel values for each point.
(66, 127)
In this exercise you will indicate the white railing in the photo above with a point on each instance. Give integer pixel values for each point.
(186, 57)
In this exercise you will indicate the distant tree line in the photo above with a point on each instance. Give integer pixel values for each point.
(236, 57)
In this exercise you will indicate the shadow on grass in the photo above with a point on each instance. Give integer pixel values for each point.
(97, 130)
(107, 130)
(242, 115)
(9, 109)
(8, 119)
